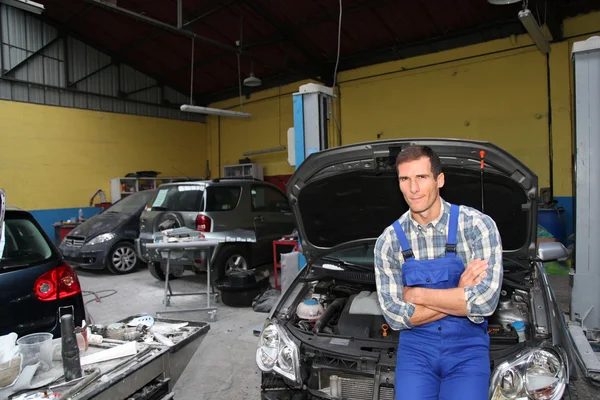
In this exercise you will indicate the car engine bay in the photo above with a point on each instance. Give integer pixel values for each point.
(351, 310)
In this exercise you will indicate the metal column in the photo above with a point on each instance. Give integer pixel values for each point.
(585, 302)
(311, 114)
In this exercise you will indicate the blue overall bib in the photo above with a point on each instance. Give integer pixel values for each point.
(447, 359)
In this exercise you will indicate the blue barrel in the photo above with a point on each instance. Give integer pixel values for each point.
(553, 219)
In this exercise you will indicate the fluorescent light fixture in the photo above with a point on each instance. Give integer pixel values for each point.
(272, 150)
(214, 111)
(503, 2)
(534, 31)
(25, 5)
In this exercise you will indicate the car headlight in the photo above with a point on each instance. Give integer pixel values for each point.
(539, 373)
(277, 352)
(105, 237)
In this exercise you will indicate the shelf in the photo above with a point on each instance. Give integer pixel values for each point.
(134, 185)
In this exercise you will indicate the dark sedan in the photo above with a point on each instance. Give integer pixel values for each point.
(106, 240)
(36, 286)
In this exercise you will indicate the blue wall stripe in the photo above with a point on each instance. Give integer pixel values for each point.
(48, 217)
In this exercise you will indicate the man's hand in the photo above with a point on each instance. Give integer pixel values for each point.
(473, 274)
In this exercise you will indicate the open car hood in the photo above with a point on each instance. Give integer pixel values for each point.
(346, 196)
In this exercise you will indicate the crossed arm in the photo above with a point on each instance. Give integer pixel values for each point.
(475, 297)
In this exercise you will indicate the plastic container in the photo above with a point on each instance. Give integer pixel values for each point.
(37, 348)
(309, 309)
(553, 219)
(520, 328)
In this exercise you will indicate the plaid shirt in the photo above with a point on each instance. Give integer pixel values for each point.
(477, 237)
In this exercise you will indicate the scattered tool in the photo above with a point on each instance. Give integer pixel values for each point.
(70, 350)
(481, 166)
(385, 328)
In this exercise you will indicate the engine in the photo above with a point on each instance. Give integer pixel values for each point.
(352, 310)
(512, 307)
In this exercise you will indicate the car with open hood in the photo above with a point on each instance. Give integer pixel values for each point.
(326, 337)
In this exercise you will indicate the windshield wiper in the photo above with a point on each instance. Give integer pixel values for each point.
(347, 264)
(159, 208)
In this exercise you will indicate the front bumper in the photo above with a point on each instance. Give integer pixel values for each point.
(286, 395)
(86, 257)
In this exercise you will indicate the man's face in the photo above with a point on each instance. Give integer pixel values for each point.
(417, 184)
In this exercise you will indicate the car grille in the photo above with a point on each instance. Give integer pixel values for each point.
(352, 387)
(74, 241)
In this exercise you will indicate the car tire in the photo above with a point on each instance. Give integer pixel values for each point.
(122, 259)
(157, 272)
(571, 392)
(227, 257)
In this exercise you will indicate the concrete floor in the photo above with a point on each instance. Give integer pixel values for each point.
(224, 366)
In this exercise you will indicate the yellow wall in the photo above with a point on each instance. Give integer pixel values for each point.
(53, 157)
(495, 91)
(502, 98)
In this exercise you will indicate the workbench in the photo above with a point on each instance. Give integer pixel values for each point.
(167, 247)
(150, 374)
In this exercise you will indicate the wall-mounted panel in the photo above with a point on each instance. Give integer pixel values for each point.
(38, 65)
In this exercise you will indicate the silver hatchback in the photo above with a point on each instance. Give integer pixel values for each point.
(218, 205)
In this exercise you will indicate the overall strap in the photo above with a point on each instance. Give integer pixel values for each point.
(452, 231)
(406, 250)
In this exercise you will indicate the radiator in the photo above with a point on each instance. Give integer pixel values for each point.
(352, 387)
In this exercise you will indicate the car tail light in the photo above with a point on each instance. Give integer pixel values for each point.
(203, 223)
(57, 284)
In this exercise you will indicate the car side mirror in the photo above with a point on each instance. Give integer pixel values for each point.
(552, 251)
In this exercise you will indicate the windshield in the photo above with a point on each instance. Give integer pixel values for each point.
(360, 255)
(24, 245)
(179, 198)
(132, 203)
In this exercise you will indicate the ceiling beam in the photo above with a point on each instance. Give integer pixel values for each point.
(315, 22)
(451, 40)
(117, 58)
(175, 30)
(285, 33)
(207, 12)
(33, 54)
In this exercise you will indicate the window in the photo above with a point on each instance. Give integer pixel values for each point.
(25, 245)
(179, 198)
(267, 199)
(222, 198)
(132, 203)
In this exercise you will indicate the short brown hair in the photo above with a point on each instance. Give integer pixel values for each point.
(414, 153)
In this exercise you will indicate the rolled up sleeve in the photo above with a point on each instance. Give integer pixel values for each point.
(485, 244)
(388, 278)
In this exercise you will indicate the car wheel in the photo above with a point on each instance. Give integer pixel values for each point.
(159, 274)
(229, 259)
(122, 258)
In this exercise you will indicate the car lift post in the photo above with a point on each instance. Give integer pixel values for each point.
(310, 132)
(585, 300)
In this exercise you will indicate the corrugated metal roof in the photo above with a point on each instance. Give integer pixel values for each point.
(286, 39)
(36, 67)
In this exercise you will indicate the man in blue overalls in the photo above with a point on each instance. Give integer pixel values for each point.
(438, 272)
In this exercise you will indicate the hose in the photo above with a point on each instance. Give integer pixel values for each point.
(336, 305)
